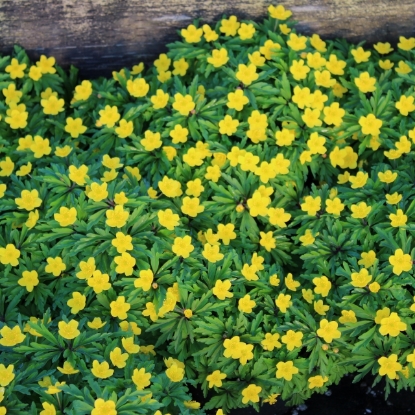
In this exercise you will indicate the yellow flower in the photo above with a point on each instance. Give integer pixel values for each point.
(229, 27)
(170, 187)
(271, 341)
(387, 177)
(323, 285)
(191, 206)
(109, 116)
(296, 42)
(381, 314)
(406, 43)
(145, 280)
(141, 378)
(125, 264)
(6, 375)
(52, 105)
(348, 316)
(374, 287)
(403, 68)
(11, 337)
(219, 58)
(360, 55)
(386, 64)
(333, 114)
(298, 70)
(138, 88)
(180, 67)
(24, 170)
(9, 255)
(78, 175)
(316, 144)
(74, 127)
(29, 280)
(335, 206)
(122, 242)
(77, 302)
(96, 323)
(267, 240)
(311, 118)
(245, 304)
(40, 147)
(320, 307)
(118, 358)
(63, 151)
(401, 262)
(83, 91)
(383, 48)
(28, 200)
(246, 74)
(328, 330)
(68, 330)
(292, 339)
(269, 48)
(15, 69)
(405, 105)
(286, 370)
(271, 399)
(398, 219)
(209, 34)
(102, 407)
(283, 302)
(308, 238)
(221, 289)
(251, 393)
(119, 307)
(192, 34)
(152, 141)
(279, 12)
(67, 369)
(290, 283)
(191, 404)
(11, 94)
(389, 366)
(98, 192)
(215, 379)
(211, 253)
(117, 218)
(175, 373)
(361, 279)
(101, 370)
(188, 313)
(54, 389)
(360, 211)
(183, 104)
(159, 100)
(55, 266)
(183, 246)
(391, 325)
(317, 381)
(311, 205)
(237, 100)
(335, 66)
(370, 124)
(48, 408)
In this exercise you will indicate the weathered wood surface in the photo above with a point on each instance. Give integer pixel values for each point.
(99, 36)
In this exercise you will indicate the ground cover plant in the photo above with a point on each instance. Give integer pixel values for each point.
(236, 218)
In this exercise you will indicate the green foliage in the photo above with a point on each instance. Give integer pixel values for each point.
(237, 218)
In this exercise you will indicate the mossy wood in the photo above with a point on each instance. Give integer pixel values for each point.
(99, 36)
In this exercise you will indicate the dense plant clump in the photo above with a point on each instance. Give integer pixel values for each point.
(236, 218)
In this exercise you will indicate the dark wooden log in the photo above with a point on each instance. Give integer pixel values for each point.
(99, 36)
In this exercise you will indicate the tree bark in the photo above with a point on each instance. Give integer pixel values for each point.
(99, 36)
